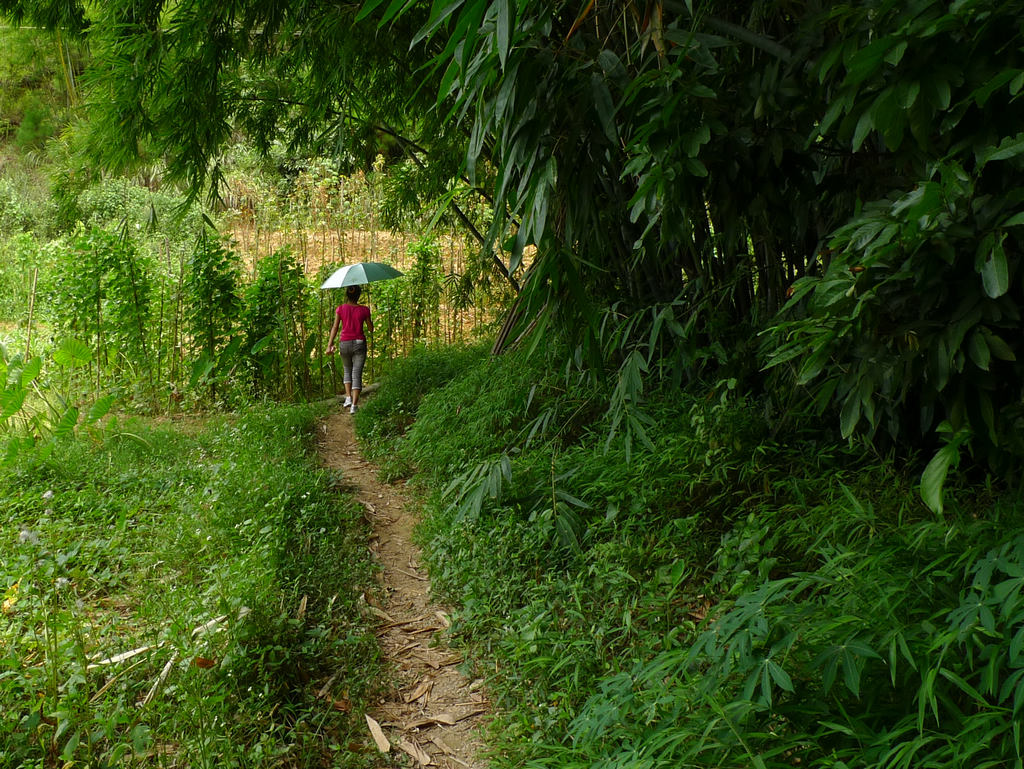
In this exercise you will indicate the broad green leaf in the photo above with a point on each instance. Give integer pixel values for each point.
(66, 424)
(1016, 648)
(866, 61)
(11, 402)
(942, 93)
(895, 55)
(864, 126)
(908, 93)
(32, 369)
(995, 273)
(1000, 349)
(72, 354)
(1017, 84)
(261, 344)
(610, 63)
(978, 350)
(828, 61)
(100, 408)
(981, 95)
(934, 476)
(1014, 221)
(1009, 147)
(201, 369)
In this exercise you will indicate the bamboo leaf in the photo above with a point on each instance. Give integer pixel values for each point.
(780, 677)
(369, 6)
(850, 414)
(934, 476)
(604, 106)
(503, 25)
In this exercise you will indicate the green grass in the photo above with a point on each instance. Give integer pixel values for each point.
(743, 592)
(227, 557)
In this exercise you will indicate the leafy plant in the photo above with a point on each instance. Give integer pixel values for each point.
(37, 412)
(277, 339)
(104, 286)
(213, 306)
(158, 590)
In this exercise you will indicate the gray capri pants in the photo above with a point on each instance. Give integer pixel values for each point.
(353, 357)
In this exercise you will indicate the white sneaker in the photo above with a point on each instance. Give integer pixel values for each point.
(353, 409)
(348, 401)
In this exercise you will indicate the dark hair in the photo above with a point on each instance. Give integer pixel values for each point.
(353, 292)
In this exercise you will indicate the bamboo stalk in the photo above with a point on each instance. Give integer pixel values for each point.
(31, 308)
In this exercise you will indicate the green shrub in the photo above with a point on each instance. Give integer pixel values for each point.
(385, 418)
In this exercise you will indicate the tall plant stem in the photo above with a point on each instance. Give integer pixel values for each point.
(31, 307)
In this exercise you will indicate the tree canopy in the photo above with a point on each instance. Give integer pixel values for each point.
(821, 199)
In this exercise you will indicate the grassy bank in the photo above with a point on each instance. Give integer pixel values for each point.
(182, 597)
(741, 590)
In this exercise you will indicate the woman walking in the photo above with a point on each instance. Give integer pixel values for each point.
(351, 317)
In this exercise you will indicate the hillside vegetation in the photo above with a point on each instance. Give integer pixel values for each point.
(730, 473)
(734, 592)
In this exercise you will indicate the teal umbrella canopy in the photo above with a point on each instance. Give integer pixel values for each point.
(358, 274)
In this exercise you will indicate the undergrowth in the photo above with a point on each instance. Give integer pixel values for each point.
(731, 595)
(182, 598)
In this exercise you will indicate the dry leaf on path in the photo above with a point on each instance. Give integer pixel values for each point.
(378, 735)
(380, 613)
(448, 751)
(416, 752)
(441, 719)
(421, 690)
(420, 631)
(410, 574)
(470, 714)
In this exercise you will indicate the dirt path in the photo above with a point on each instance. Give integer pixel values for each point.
(432, 711)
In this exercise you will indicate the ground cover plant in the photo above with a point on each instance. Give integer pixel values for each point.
(743, 591)
(182, 595)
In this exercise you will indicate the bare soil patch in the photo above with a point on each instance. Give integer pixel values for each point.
(430, 715)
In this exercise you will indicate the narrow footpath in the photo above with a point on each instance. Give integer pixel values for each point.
(431, 711)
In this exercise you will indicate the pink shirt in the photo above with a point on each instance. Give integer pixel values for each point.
(352, 316)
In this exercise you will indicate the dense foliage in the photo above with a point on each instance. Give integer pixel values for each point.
(186, 593)
(682, 168)
(732, 596)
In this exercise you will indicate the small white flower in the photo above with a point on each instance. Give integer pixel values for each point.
(48, 495)
(61, 583)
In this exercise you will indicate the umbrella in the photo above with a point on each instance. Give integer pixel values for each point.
(357, 274)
